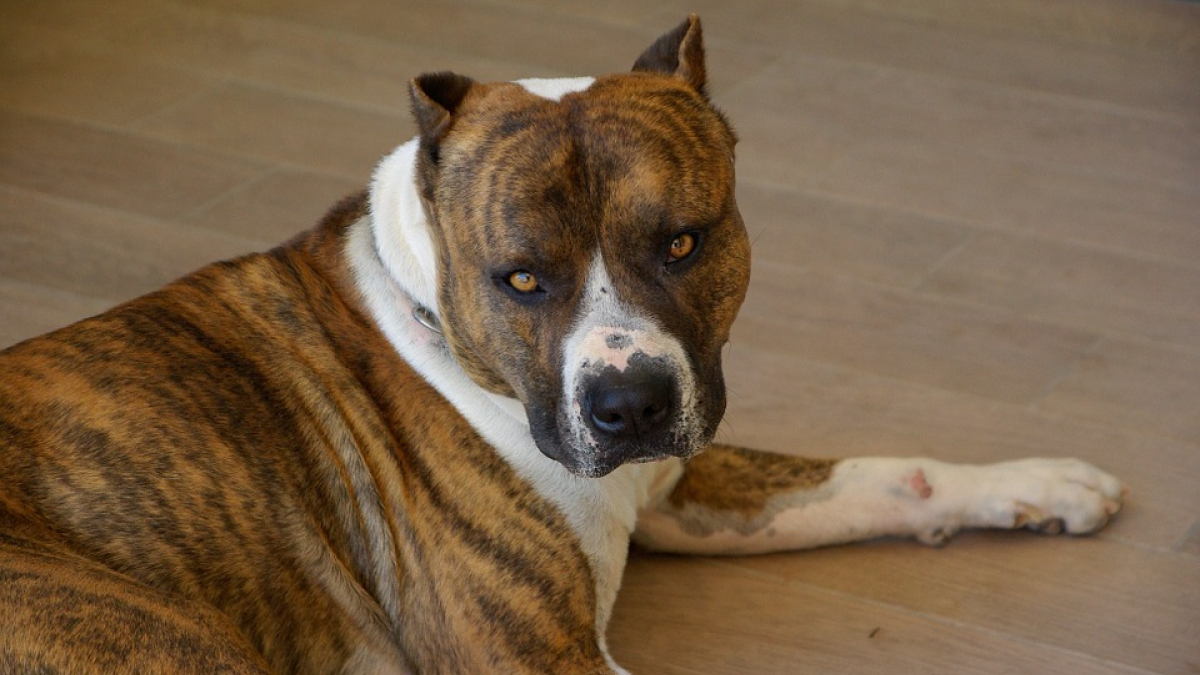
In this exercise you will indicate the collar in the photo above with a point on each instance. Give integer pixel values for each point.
(426, 318)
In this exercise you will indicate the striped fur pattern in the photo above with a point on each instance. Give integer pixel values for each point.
(244, 456)
(600, 179)
(244, 438)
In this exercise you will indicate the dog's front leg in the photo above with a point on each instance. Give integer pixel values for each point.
(733, 501)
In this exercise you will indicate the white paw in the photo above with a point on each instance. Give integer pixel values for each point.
(1048, 495)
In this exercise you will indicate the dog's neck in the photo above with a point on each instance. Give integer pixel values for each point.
(394, 262)
(392, 257)
(401, 233)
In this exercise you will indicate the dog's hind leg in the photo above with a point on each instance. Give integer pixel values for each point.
(62, 614)
(732, 501)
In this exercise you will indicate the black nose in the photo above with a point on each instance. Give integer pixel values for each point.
(623, 404)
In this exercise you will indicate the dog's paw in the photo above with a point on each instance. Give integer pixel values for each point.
(1050, 495)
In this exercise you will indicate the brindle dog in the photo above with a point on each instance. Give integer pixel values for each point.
(419, 438)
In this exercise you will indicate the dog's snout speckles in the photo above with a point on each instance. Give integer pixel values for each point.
(618, 341)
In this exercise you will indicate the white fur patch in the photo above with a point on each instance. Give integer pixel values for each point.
(556, 87)
(392, 257)
(403, 241)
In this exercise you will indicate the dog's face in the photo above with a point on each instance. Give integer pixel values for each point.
(591, 256)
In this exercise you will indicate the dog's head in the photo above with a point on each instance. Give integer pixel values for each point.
(591, 257)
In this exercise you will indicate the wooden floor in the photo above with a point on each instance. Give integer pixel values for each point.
(977, 230)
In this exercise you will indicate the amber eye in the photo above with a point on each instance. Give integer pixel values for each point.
(523, 281)
(681, 247)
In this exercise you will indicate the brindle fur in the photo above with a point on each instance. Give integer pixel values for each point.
(737, 481)
(243, 439)
(619, 169)
(231, 472)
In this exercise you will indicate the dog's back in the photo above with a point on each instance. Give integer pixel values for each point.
(214, 465)
(146, 444)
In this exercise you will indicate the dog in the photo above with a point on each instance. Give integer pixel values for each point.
(420, 437)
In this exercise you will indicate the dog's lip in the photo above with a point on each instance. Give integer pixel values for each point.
(599, 469)
(593, 471)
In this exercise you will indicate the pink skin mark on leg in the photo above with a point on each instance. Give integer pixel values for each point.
(919, 485)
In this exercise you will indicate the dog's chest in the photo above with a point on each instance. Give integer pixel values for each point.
(599, 514)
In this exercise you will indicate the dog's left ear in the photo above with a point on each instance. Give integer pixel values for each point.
(679, 52)
(435, 99)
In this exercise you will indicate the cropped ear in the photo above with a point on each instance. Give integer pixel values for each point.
(435, 98)
(679, 52)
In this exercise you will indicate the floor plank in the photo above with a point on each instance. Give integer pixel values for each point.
(973, 349)
(838, 236)
(276, 207)
(99, 253)
(92, 88)
(1025, 195)
(1072, 586)
(708, 617)
(237, 119)
(111, 168)
(1091, 288)
(1134, 385)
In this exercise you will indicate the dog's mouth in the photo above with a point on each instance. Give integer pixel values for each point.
(597, 461)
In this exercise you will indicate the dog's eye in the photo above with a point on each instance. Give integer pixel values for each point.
(681, 247)
(523, 281)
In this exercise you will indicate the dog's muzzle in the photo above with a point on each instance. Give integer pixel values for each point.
(629, 393)
(628, 415)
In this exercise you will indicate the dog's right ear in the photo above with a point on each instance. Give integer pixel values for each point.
(435, 98)
(679, 52)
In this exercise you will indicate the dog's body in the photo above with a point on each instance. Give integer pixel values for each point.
(419, 438)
